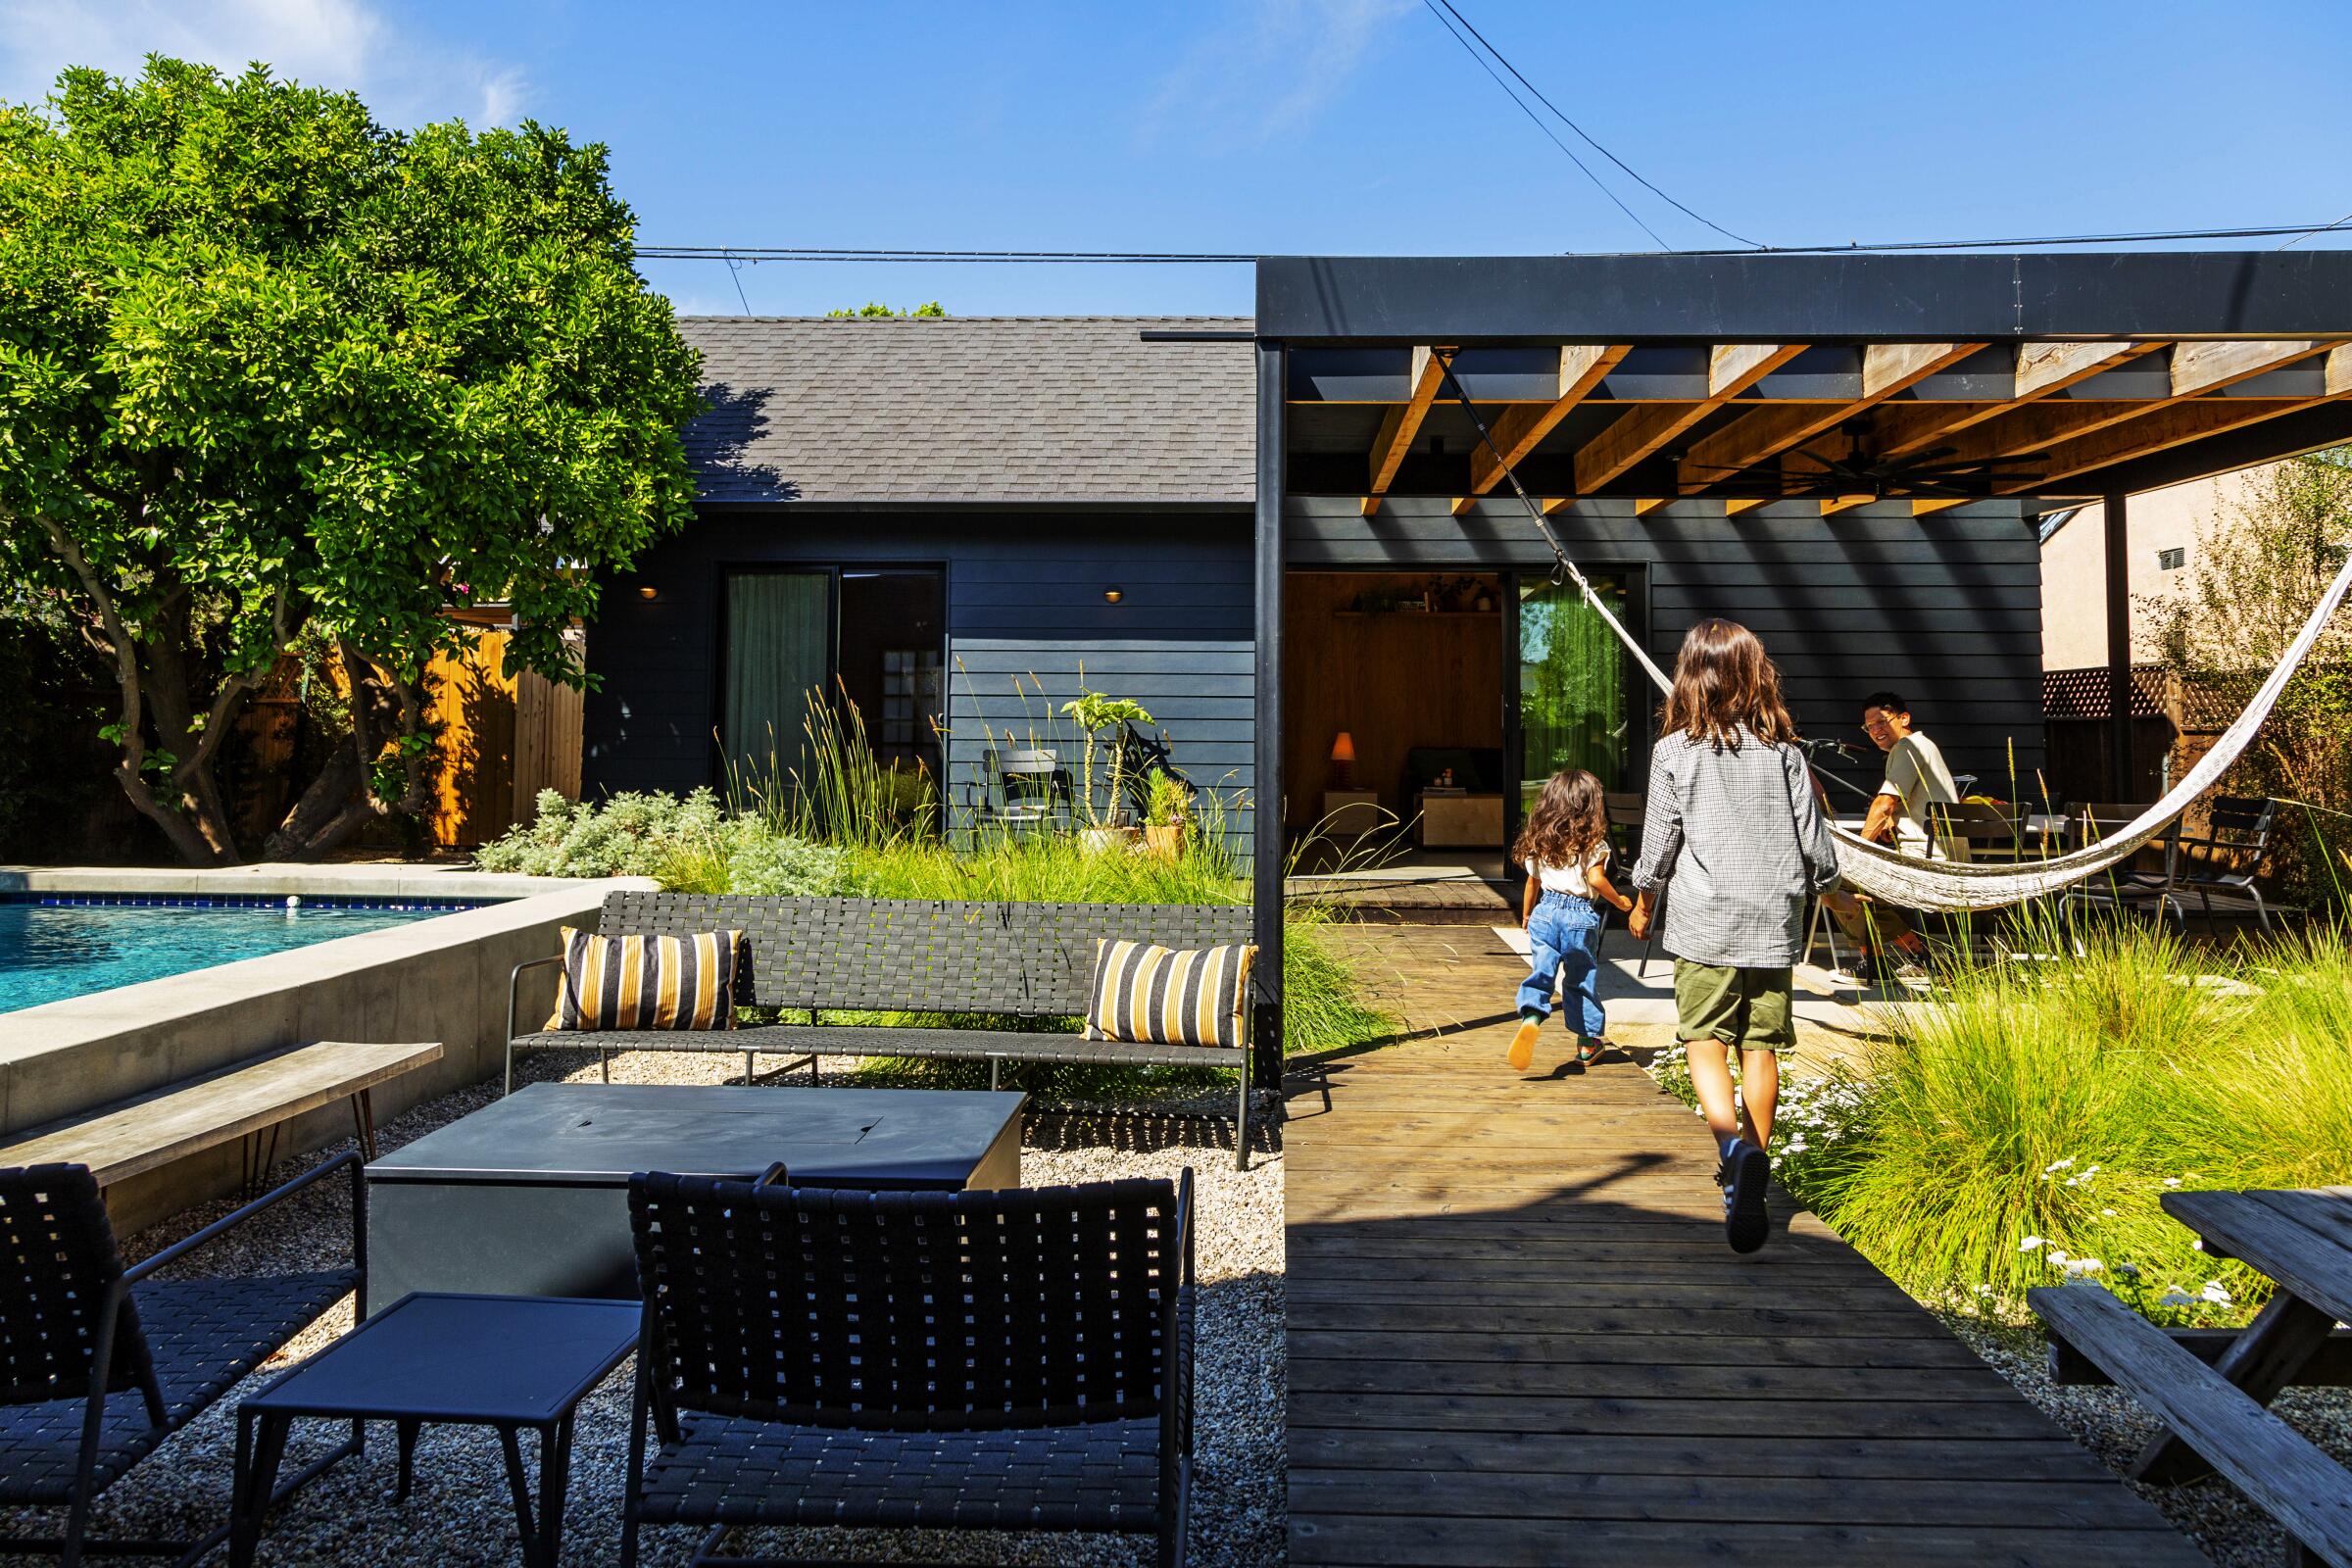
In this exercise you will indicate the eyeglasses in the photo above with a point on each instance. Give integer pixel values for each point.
(1871, 726)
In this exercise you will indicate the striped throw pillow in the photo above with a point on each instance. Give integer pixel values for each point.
(1170, 996)
(648, 982)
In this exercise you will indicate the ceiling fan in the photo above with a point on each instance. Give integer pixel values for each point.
(1926, 473)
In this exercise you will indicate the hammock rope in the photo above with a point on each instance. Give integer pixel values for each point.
(1957, 887)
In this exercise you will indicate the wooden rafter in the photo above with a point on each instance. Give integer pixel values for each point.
(2178, 422)
(1924, 505)
(1887, 368)
(1644, 506)
(2042, 369)
(1522, 428)
(1643, 432)
(1738, 503)
(1401, 424)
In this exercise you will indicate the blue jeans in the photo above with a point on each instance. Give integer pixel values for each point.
(1564, 933)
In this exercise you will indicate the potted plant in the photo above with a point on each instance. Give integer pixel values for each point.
(1096, 716)
(1167, 812)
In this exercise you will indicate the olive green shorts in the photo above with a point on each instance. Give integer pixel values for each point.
(1747, 1009)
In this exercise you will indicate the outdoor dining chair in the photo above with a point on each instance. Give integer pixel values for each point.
(1016, 1359)
(2225, 857)
(2136, 886)
(1022, 789)
(100, 1363)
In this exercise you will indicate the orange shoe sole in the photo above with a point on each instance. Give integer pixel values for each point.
(1523, 1046)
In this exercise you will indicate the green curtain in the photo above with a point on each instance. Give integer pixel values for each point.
(1571, 687)
(778, 652)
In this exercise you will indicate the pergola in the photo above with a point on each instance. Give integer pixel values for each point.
(1763, 383)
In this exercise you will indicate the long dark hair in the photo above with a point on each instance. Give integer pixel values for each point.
(1570, 818)
(1724, 683)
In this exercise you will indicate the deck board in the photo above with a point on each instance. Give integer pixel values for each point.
(1516, 1335)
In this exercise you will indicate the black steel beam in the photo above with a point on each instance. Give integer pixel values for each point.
(2119, 647)
(1768, 299)
(1268, 850)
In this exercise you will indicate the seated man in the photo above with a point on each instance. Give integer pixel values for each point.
(1916, 780)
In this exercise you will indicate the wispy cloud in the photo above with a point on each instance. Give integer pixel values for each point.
(1267, 69)
(406, 79)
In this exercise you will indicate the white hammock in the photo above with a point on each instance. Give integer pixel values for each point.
(1955, 887)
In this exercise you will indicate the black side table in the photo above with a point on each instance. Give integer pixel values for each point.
(500, 1361)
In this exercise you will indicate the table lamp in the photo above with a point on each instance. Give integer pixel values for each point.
(1343, 761)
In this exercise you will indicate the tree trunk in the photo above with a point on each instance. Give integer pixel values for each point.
(384, 712)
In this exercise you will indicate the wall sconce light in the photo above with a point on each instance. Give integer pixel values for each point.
(646, 590)
(1111, 595)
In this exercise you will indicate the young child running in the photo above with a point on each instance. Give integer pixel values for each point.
(1733, 825)
(1565, 848)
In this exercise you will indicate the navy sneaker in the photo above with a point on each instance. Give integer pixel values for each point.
(1747, 1224)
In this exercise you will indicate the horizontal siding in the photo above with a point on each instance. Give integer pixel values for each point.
(1009, 692)
(1946, 609)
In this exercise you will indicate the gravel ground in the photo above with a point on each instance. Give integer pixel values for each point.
(460, 1512)
(2113, 1425)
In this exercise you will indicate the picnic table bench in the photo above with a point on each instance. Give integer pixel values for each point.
(2215, 1411)
(248, 1102)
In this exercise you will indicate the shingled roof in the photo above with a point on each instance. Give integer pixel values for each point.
(972, 408)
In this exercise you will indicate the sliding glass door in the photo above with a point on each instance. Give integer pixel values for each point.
(872, 639)
(1571, 705)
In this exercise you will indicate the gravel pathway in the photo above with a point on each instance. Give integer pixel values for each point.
(2113, 1425)
(460, 1512)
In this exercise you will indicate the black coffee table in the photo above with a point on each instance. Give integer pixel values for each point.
(530, 1196)
(500, 1361)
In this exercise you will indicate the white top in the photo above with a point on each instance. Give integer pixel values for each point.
(1917, 778)
(1569, 878)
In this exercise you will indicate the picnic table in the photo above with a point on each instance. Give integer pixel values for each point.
(2215, 1414)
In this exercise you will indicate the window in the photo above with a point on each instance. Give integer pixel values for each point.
(2171, 560)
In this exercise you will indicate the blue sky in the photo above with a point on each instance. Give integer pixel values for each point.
(1313, 125)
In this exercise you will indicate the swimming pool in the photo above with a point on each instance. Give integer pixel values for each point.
(54, 946)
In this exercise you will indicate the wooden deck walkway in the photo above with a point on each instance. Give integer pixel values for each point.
(1516, 1335)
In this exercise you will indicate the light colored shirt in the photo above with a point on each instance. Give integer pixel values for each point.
(1570, 878)
(1916, 776)
(1740, 836)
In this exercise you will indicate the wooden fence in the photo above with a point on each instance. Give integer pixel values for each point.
(2174, 722)
(501, 739)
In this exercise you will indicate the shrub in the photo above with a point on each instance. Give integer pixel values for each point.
(689, 843)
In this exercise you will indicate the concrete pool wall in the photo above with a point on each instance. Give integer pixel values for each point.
(443, 978)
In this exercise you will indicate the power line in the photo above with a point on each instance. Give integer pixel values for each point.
(1588, 135)
(752, 254)
(1537, 123)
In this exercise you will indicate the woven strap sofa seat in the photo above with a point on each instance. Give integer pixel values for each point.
(815, 959)
(799, 1365)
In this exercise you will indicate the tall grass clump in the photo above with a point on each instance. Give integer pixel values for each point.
(2273, 1107)
(2021, 1128)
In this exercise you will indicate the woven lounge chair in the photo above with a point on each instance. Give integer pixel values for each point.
(1015, 1360)
(100, 1363)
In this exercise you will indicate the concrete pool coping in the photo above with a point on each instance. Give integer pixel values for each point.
(280, 879)
(444, 978)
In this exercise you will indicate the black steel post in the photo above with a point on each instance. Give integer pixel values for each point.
(1268, 848)
(2119, 649)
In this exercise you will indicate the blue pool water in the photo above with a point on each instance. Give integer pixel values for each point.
(51, 947)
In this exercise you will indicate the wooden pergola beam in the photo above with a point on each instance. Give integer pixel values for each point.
(2181, 421)
(1887, 368)
(1522, 428)
(1403, 422)
(1643, 432)
(2042, 369)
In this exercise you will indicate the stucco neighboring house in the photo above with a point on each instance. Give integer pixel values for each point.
(2164, 525)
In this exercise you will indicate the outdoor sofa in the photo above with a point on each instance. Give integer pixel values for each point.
(985, 973)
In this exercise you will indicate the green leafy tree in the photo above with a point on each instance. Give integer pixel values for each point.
(2260, 567)
(870, 308)
(268, 368)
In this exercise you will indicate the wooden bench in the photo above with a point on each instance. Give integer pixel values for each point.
(248, 1102)
(1026, 962)
(2215, 1417)
(2276, 1466)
